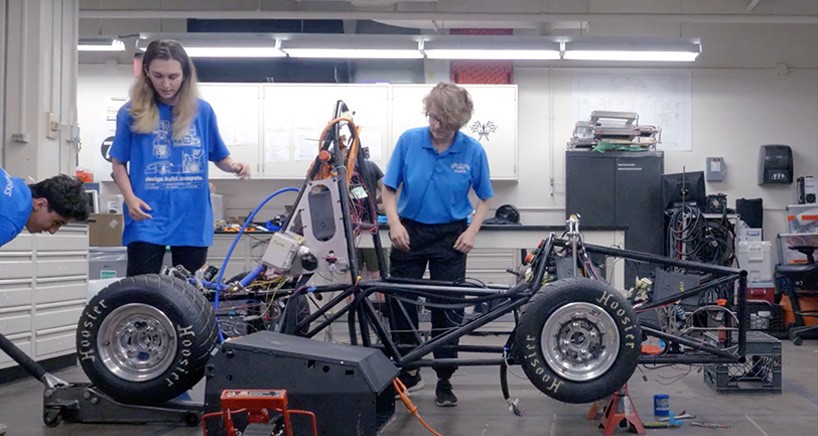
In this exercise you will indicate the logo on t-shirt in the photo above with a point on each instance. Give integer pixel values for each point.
(460, 168)
(9, 185)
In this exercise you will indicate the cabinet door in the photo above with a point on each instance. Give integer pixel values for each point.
(237, 107)
(296, 114)
(493, 122)
(219, 250)
(494, 125)
(590, 188)
(639, 198)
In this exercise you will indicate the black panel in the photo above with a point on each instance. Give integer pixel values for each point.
(278, 70)
(751, 211)
(589, 189)
(639, 206)
(619, 189)
(347, 387)
(265, 26)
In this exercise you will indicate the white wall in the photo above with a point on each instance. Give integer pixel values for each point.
(39, 72)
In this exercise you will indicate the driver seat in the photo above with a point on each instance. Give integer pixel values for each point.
(803, 277)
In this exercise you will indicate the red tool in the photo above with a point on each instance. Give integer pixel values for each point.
(257, 404)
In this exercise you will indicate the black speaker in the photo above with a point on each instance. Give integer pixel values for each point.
(750, 211)
(349, 388)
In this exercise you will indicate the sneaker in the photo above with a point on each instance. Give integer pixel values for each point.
(3, 429)
(412, 382)
(444, 397)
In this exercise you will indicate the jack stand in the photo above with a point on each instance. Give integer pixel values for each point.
(83, 402)
(620, 412)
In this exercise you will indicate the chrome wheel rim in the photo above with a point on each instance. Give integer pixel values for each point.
(137, 342)
(580, 341)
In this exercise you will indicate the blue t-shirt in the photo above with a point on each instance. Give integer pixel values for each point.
(171, 176)
(15, 206)
(435, 186)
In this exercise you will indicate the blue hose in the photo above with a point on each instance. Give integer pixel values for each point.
(219, 286)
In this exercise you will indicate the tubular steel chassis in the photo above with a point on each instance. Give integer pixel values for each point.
(352, 299)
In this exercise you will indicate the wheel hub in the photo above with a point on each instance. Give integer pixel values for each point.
(580, 341)
(137, 342)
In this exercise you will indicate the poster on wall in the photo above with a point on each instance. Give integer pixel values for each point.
(104, 138)
(661, 99)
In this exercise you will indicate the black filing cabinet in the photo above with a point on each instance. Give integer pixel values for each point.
(619, 188)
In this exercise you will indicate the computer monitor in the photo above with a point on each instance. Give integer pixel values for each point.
(680, 188)
(92, 200)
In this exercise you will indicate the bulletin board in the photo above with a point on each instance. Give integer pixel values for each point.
(660, 98)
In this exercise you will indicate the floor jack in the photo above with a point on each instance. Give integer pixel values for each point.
(82, 402)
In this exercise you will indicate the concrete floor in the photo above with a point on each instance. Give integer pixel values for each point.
(482, 410)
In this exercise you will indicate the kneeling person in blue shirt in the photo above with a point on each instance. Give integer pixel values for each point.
(39, 207)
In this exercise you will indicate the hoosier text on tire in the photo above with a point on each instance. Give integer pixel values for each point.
(578, 340)
(146, 339)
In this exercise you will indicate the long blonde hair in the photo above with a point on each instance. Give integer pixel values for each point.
(144, 99)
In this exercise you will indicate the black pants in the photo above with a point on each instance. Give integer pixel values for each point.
(432, 245)
(146, 258)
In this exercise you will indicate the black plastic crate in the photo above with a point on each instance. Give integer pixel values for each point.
(760, 373)
(774, 324)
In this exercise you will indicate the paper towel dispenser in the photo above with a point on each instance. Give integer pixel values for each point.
(774, 164)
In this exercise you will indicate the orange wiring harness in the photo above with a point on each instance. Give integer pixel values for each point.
(351, 153)
(400, 388)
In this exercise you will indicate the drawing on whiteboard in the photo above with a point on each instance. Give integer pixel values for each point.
(660, 99)
(483, 129)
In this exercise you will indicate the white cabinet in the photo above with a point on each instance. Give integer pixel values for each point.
(245, 256)
(43, 286)
(296, 114)
(275, 127)
(493, 123)
(238, 113)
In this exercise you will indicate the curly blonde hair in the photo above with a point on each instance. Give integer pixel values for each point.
(453, 103)
(144, 98)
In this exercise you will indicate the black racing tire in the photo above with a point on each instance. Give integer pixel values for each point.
(146, 339)
(578, 340)
(302, 311)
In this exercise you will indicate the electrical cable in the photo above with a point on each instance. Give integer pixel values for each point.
(400, 388)
(247, 222)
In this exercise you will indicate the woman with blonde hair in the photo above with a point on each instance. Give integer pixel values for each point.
(166, 135)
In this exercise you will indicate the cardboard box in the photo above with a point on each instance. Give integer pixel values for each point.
(106, 230)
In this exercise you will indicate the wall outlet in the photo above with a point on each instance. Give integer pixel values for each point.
(52, 125)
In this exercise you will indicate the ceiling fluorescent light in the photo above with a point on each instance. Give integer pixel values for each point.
(357, 46)
(220, 45)
(107, 44)
(491, 47)
(633, 50)
(234, 52)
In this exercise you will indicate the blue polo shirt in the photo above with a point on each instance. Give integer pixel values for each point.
(434, 187)
(15, 206)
